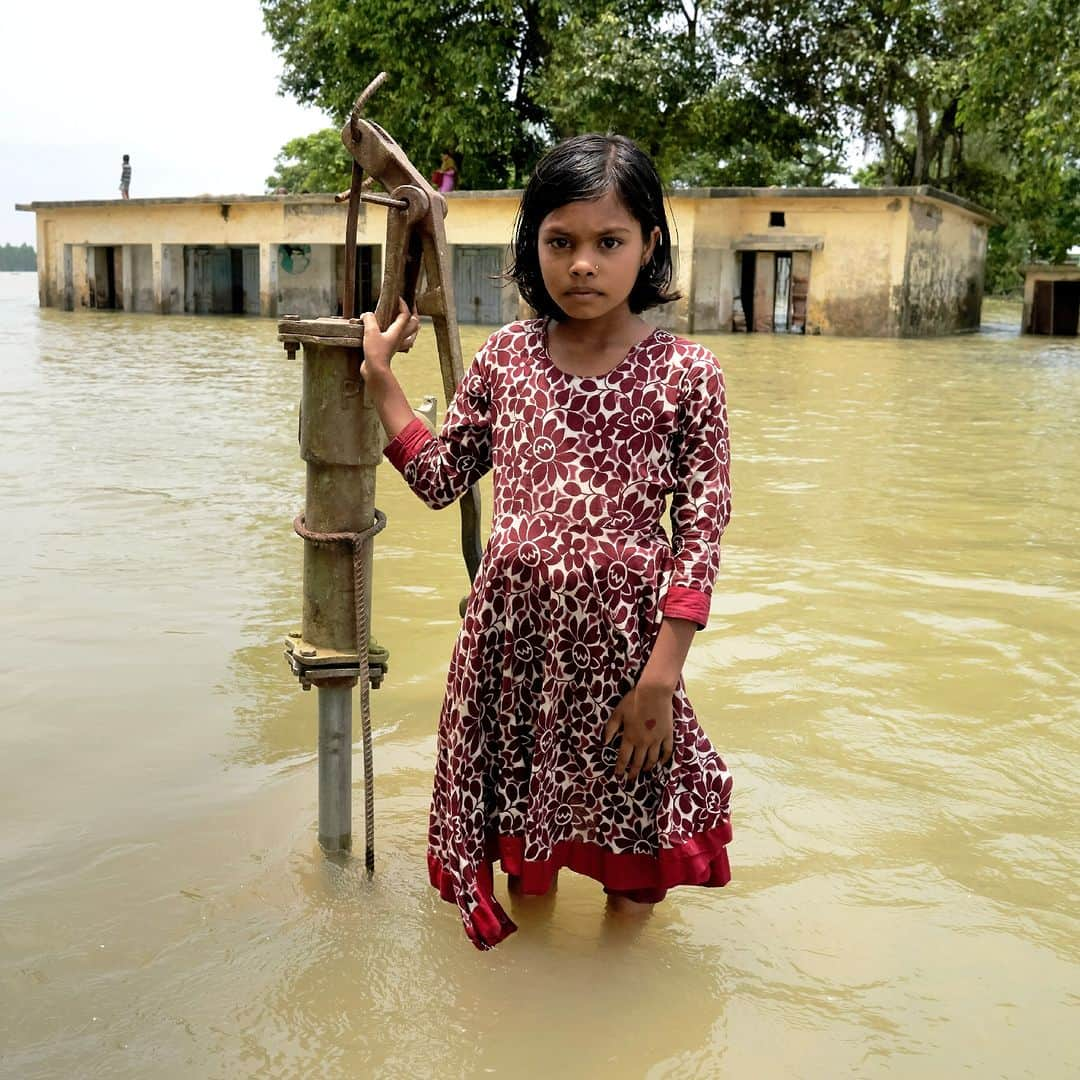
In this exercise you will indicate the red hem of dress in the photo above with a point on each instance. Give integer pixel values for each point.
(702, 860)
(407, 443)
(683, 602)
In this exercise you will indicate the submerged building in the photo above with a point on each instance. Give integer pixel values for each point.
(878, 262)
(1051, 299)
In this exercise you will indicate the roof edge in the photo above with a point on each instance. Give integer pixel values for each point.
(924, 191)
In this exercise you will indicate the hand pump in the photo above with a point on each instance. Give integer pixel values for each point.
(341, 441)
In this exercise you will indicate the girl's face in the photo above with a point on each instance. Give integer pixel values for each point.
(591, 252)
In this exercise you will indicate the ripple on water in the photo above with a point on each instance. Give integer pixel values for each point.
(891, 673)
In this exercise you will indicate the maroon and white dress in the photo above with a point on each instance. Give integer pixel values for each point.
(575, 581)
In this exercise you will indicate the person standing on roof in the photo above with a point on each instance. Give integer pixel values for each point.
(125, 177)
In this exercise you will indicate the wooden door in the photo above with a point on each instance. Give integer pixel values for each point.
(764, 292)
(800, 290)
(477, 271)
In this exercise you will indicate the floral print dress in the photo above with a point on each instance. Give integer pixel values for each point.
(575, 580)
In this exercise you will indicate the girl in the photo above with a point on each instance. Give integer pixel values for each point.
(566, 738)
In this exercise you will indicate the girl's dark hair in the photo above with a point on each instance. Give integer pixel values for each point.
(582, 168)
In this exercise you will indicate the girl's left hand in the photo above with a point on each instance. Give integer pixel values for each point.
(399, 336)
(644, 716)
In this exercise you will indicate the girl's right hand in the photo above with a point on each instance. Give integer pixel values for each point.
(645, 719)
(380, 346)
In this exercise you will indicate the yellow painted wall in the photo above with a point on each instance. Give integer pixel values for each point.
(943, 281)
(883, 264)
(854, 272)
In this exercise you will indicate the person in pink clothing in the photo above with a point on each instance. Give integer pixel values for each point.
(444, 178)
(566, 736)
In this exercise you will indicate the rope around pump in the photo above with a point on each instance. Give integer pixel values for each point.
(359, 542)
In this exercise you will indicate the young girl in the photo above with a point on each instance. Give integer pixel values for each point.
(566, 738)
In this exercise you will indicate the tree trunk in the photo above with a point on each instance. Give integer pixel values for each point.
(923, 151)
(886, 147)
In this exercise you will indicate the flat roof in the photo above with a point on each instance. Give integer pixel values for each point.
(924, 191)
(1053, 270)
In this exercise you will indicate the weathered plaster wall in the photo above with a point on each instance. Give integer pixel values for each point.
(943, 273)
(306, 279)
(856, 257)
(139, 264)
(1047, 276)
(880, 265)
(853, 278)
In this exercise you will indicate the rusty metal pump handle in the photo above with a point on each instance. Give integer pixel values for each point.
(415, 247)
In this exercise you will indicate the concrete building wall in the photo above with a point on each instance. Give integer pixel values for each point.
(855, 249)
(943, 271)
(306, 279)
(139, 270)
(877, 262)
(1051, 299)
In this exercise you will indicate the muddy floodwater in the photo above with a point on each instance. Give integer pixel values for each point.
(891, 672)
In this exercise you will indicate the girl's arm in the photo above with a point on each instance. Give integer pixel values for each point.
(664, 668)
(701, 501)
(439, 469)
(385, 391)
(700, 509)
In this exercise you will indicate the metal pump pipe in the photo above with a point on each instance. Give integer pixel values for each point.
(341, 441)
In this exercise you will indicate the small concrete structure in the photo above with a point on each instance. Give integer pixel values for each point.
(1051, 299)
(877, 262)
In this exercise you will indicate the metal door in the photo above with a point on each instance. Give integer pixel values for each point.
(477, 275)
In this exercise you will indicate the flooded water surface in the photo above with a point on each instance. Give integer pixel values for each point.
(890, 671)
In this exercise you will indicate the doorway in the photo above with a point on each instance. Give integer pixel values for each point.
(772, 291)
(221, 280)
(1056, 308)
(368, 277)
(103, 293)
(477, 274)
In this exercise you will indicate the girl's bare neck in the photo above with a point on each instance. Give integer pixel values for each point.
(594, 346)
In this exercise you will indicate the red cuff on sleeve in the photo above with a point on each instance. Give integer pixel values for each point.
(684, 603)
(407, 443)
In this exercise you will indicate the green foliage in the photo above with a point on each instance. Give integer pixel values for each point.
(500, 80)
(316, 162)
(663, 82)
(17, 257)
(458, 71)
(979, 97)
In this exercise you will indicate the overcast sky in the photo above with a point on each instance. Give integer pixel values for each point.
(188, 90)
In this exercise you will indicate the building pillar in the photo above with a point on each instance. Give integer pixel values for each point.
(684, 282)
(45, 259)
(713, 290)
(157, 274)
(80, 276)
(167, 269)
(725, 301)
(172, 278)
(127, 278)
(68, 284)
(268, 279)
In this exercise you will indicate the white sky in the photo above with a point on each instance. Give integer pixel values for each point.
(189, 90)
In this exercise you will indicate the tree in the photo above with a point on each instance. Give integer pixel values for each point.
(659, 74)
(500, 80)
(17, 257)
(979, 97)
(459, 73)
(316, 162)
